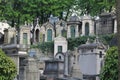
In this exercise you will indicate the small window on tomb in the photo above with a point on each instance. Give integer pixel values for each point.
(105, 21)
(14, 51)
(60, 57)
(100, 54)
(92, 50)
(25, 38)
(60, 49)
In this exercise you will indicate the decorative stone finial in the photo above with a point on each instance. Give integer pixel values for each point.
(51, 15)
(25, 23)
(88, 41)
(96, 40)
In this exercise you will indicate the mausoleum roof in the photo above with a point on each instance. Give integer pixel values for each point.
(69, 78)
(60, 38)
(92, 45)
(52, 60)
(95, 44)
(74, 18)
(105, 14)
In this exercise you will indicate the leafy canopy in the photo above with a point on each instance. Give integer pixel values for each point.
(95, 7)
(19, 11)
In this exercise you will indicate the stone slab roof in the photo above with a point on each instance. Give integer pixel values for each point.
(91, 46)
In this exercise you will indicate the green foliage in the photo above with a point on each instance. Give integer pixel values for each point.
(72, 42)
(107, 38)
(95, 7)
(110, 69)
(75, 42)
(46, 47)
(19, 11)
(8, 69)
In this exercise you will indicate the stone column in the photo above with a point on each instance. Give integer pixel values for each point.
(34, 36)
(76, 69)
(91, 28)
(32, 70)
(15, 39)
(97, 28)
(68, 32)
(115, 26)
(83, 28)
(66, 64)
(53, 34)
(76, 33)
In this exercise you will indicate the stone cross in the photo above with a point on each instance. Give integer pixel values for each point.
(76, 57)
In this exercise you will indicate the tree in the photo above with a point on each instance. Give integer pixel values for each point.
(19, 11)
(110, 69)
(118, 34)
(8, 69)
(95, 7)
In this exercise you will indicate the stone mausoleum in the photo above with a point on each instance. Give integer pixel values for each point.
(91, 58)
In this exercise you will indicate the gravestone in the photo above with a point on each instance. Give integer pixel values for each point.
(32, 69)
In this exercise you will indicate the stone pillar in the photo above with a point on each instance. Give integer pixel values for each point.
(34, 36)
(76, 69)
(97, 78)
(68, 32)
(15, 39)
(97, 28)
(66, 65)
(32, 70)
(53, 34)
(77, 33)
(83, 28)
(115, 26)
(91, 28)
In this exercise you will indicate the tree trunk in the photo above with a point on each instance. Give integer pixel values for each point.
(118, 33)
(67, 15)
